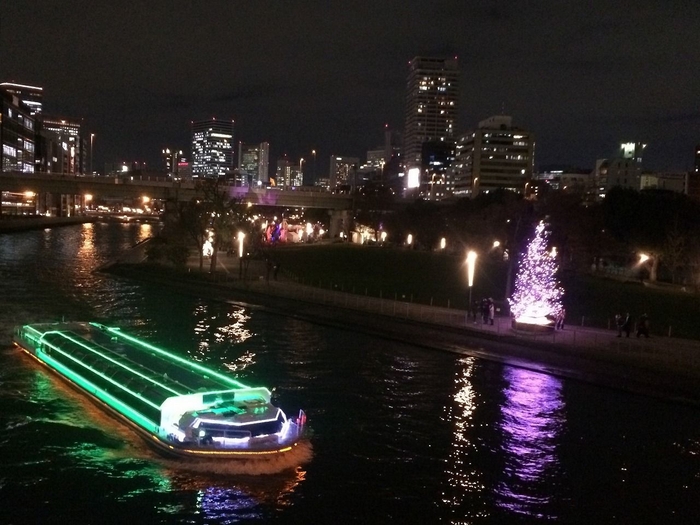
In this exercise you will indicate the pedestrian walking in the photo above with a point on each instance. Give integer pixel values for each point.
(492, 311)
(559, 323)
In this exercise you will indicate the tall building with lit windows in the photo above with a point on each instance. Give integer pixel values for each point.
(32, 96)
(342, 172)
(17, 134)
(212, 148)
(72, 154)
(253, 164)
(495, 155)
(431, 105)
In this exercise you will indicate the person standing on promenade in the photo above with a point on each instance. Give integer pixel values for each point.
(619, 320)
(627, 324)
(559, 323)
(492, 311)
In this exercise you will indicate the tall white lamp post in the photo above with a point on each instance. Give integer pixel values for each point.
(471, 263)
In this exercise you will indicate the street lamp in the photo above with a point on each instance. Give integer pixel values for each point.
(313, 168)
(301, 171)
(241, 236)
(92, 138)
(471, 262)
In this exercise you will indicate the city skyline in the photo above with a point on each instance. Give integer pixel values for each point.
(582, 78)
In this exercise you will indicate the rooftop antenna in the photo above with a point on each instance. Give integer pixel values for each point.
(503, 108)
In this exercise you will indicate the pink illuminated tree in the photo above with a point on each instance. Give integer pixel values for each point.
(537, 296)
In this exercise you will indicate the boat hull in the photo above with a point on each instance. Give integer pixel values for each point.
(167, 448)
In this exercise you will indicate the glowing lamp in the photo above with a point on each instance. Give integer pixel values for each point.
(241, 236)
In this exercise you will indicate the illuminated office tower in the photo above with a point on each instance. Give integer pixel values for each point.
(253, 163)
(170, 159)
(212, 148)
(32, 96)
(431, 105)
(496, 155)
(342, 171)
(72, 143)
(17, 134)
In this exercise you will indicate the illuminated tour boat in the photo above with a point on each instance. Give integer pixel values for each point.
(182, 408)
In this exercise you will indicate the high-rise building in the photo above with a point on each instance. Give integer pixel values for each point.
(170, 159)
(32, 96)
(17, 134)
(437, 159)
(253, 163)
(342, 171)
(495, 155)
(72, 140)
(431, 105)
(212, 148)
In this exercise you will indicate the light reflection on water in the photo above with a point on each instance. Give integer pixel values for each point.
(466, 484)
(532, 422)
(220, 339)
(401, 434)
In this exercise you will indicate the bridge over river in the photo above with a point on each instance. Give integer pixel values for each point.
(72, 190)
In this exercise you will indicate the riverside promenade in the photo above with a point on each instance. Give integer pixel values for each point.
(665, 366)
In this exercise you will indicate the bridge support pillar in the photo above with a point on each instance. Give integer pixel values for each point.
(340, 221)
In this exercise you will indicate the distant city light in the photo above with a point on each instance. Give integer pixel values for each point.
(413, 180)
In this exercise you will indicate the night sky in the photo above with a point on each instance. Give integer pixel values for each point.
(582, 76)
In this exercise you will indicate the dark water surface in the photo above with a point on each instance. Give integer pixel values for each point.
(401, 434)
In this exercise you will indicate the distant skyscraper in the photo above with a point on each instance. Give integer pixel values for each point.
(73, 142)
(170, 159)
(342, 171)
(32, 96)
(254, 163)
(212, 148)
(431, 105)
(495, 155)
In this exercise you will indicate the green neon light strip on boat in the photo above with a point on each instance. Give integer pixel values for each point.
(194, 366)
(119, 406)
(109, 379)
(111, 360)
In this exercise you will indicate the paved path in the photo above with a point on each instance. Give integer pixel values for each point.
(678, 355)
(668, 367)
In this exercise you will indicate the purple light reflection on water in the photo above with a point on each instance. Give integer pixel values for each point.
(533, 419)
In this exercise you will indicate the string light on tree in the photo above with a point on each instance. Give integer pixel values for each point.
(537, 296)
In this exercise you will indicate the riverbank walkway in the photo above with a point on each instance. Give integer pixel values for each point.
(669, 354)
(667, 366)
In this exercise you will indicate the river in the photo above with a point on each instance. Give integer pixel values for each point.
(400, 434)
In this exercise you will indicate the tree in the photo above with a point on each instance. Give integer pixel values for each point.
(225, 215)
(537, 294)
(194, 219)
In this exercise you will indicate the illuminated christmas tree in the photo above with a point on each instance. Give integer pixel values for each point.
(537, 295)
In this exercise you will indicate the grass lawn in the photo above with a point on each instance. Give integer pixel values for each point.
(441, 279)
